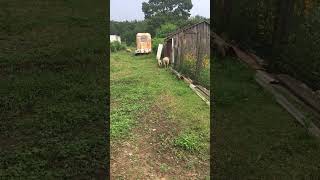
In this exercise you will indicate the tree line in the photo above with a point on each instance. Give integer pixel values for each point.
(161, 18)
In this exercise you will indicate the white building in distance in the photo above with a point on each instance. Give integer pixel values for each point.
(115, 38)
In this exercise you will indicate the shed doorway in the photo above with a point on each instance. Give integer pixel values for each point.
(169, 50)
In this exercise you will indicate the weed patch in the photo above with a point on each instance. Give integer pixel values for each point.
(190, 141)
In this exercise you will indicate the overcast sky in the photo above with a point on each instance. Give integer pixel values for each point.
(121, 10)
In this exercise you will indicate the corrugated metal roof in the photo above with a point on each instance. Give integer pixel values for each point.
(186, 28)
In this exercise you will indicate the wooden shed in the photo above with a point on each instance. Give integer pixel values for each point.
(192, 40)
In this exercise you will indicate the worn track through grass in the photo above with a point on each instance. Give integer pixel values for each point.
(148, 149)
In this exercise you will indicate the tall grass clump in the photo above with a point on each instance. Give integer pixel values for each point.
(117, 46)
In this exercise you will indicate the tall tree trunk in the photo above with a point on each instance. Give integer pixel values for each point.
(307, 6)
(282, 24)
(221, 14)
(227, 9)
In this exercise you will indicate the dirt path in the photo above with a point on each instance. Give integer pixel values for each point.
(148, 150)
(149, 154)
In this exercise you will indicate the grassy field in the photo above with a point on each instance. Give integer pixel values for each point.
(256, 137)
(54, 87)
(156, 117)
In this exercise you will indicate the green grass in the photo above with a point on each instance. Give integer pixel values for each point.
(53, 86)
(190, 141)
(137, 83)
(256, 137)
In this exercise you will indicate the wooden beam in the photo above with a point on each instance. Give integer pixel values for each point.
(287, 105)
(203, 93)
(299, 116)
(176, 73)
(300, 90)
(266, 76)
(260, 61)
(204, 90)
(187, 80)
(297, 101)
(246, 58)
(193, 87)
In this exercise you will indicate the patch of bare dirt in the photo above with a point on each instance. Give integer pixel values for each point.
(150, 154)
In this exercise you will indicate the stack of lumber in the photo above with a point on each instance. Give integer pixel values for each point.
(202, 92)
(303, 113)
(251, 59)
(179, 76)
(294, 96)
(252, 62)
(300, 90)
(260, 61)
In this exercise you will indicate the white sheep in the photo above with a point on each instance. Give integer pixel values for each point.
(166, 61)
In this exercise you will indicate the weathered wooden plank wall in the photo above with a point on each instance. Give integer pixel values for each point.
(194, 41)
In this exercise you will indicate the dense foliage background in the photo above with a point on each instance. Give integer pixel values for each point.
(161, 18)
(286, 33)
(128, 29)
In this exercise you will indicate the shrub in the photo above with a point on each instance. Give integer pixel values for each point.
(155, 43)
(117, 46)
(188, 67)
(161, 33)
(204, 75)
(165, 30)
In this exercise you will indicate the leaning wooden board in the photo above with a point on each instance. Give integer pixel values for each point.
(247, 59)
(300, 90)
(202, 92)
(286, 104)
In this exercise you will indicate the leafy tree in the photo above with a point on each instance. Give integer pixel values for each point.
(176, 9)
(158, 12)
(165, 29)
(127, 30)
(193, 20)
(155, 43)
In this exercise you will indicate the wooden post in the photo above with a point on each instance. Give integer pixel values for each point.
(172, 50)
